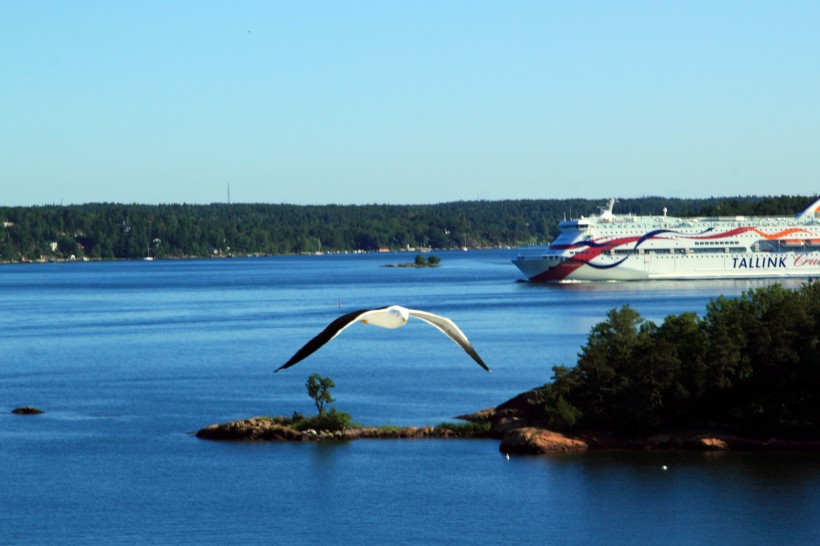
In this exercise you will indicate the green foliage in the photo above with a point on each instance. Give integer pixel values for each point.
(751, 364)
(318, 389)
(606, 362)
(332, 420)
(110, 230)
(469, 428)
(389, 428)
(423, 261)
(558, 413)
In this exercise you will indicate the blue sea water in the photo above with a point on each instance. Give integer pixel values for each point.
(128, 359)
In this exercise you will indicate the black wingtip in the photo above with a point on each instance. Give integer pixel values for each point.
(469, 349)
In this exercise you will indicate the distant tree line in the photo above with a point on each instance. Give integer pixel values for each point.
(119, 231)
(750, 365)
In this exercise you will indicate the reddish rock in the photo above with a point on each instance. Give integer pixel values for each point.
(533, 440)
(250, 429)
(711, 444)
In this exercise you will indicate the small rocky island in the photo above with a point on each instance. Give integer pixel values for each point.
(420, 261)
(279, 429)
(27, 410)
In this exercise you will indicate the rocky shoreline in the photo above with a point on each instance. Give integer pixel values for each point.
(512, 425)
(513, 422)
(527, 440)
(270, 429)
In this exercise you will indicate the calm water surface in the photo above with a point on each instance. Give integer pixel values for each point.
(129, 358)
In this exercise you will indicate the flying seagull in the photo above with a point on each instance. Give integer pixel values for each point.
(391, 317)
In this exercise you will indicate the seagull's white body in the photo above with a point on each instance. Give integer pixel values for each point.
(391, 317)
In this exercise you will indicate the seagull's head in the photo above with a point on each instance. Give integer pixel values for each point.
(399, 313)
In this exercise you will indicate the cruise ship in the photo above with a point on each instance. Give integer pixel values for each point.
(617, 247)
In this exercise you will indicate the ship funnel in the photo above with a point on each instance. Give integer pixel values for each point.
(606, 210)
(812, 211)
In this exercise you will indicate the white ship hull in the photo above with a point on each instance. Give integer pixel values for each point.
(610, 247)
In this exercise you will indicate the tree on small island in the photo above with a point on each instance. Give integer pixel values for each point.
(318, 389)
(422, 261)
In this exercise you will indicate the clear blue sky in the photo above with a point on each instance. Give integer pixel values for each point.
(315, 102)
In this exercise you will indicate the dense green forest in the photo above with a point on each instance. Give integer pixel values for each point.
(118, 231)
(750, 365)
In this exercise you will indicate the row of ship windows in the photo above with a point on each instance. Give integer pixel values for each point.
(724, 250)
(762, 243)
(715, 246)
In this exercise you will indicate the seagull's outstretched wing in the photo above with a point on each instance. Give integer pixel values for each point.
(386, 317)
(331, 330)
(449, 328)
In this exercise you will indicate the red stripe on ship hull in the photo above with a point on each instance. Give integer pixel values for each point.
(741, 230)
(559, 272)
